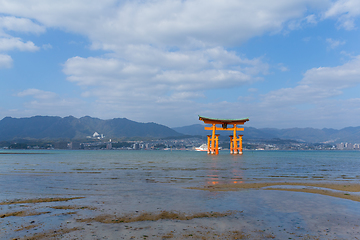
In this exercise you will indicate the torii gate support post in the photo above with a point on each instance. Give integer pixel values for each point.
(235, 145)
(240, 144)
(213, 139)
(208, 143)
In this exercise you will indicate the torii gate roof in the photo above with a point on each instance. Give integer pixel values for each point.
(221, 121)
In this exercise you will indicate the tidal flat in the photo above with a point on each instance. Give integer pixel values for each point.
(179, 195)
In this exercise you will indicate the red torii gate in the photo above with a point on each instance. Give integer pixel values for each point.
(213, 139)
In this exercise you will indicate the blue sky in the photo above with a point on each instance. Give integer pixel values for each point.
(280, 63)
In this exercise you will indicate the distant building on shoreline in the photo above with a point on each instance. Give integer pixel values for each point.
(348, 146)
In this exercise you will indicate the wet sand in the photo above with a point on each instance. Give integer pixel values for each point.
(348, 191)
(283, 214)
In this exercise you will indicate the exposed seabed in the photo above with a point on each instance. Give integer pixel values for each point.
(167, 211)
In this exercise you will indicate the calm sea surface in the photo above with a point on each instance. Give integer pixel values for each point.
(57, 172)
(126, 182)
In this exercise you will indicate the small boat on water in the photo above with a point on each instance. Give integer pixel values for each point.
(202, 148)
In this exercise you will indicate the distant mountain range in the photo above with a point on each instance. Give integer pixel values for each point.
(47, 127)
(310, 135)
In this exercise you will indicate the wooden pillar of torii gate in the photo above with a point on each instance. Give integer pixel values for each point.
(213, 139)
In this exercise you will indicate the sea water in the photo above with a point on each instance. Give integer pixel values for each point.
(35, 173)
(129, 181)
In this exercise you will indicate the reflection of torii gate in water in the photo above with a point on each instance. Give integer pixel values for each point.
(213, 139)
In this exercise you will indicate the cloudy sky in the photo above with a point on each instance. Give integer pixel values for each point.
(280, 63)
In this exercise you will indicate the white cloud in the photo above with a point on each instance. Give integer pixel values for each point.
(145, 82)
(306, 39)
(334, 43)
(47, 46)
(56, 107)
(282, 68)
(252, 90)
(37, 93)
(184, 23)
(299, 23)
(317, 85)
(152, 71)
(346, 11)
(15, 24)
(194, 23)
(5, 61)
(111, 24)
(318, 101)
(40, 102)
(344, 76)
(7, 44)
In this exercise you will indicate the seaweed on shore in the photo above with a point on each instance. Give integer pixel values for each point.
(148, 216)
(51, 234)
(39, 200)
(73, 207)
(22, 214)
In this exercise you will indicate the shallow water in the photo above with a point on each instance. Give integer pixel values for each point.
(129, 181)
(104, 172)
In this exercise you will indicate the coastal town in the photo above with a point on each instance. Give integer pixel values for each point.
(184, 144)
